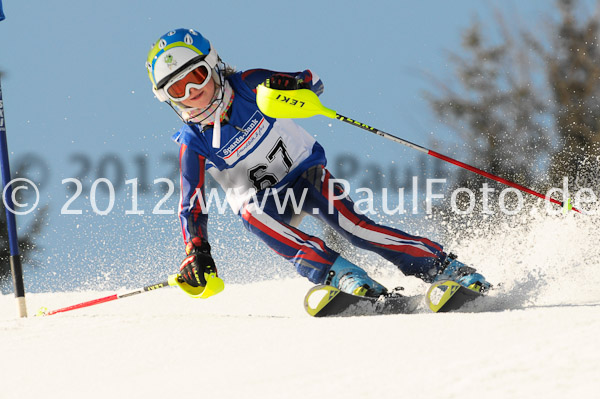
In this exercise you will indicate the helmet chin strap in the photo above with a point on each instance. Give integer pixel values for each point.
(216, 141)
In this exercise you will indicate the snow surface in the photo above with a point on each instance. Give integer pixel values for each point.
(536, 336)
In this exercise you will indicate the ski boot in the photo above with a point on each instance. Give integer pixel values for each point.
(452, 269)
(349, 278)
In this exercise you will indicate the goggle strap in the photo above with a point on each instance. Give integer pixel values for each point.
(160, 95)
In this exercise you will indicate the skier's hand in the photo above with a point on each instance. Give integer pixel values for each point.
(198, 263)
(282, 81)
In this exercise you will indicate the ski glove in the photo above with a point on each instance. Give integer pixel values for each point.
(282, 81)
(198, 264)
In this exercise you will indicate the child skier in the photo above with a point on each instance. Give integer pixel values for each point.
(256, 158)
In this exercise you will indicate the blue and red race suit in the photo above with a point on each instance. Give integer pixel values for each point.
(259, 161)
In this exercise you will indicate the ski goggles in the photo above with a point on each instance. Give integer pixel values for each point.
(195, 76)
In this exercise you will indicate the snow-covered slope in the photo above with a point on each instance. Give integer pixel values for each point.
(536, 336)
(255, 341)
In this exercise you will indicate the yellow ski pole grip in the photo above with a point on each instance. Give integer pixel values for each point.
(214, 285)
(301, 103)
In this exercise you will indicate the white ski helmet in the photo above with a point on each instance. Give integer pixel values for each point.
(173, 53)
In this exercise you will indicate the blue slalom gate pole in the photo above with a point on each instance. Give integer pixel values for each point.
(11, 224)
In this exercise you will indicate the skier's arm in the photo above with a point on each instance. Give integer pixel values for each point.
(198, 263)
(306, 79)
(192, 214)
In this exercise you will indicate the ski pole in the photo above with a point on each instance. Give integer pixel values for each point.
(304, 103)
(214, 285)
(113, 297)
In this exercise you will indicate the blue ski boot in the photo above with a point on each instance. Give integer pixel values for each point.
(349, 278)
(454, 270)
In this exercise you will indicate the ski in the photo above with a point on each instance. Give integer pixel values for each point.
(443, 296)
(448, 295)
(327, 301)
